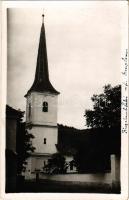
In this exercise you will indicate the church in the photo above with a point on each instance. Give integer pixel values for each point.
(41, 111)
(50, 137)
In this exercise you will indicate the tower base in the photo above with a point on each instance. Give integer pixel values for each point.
(35, 164)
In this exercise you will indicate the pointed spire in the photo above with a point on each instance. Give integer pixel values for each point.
(43, 18)
(41, 82)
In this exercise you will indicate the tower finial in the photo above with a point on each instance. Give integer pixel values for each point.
(43, 16)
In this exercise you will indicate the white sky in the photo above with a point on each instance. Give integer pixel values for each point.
(84, 52)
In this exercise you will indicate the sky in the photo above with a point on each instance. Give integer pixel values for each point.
(84, 53)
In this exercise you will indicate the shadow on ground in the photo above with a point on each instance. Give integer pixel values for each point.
(64, 187)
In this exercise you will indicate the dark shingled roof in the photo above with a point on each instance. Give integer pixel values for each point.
(41, 82)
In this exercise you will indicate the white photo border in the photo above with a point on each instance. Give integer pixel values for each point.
(124, 113)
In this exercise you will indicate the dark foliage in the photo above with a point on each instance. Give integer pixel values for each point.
(10, 163)
(94, 152)
(105, 139)
(69, 139)
(91, 148)
(106, 111)
(24, 147)
(56, 164)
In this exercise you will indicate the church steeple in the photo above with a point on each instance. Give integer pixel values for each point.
(41, 112)
(41, 82)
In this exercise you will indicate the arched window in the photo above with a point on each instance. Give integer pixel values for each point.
(45, 106)
(45, 141)
(29, 110)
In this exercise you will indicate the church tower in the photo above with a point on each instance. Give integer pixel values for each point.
(41, 111)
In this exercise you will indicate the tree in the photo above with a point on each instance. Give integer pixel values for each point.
(104, 137)
(24, 147)
(92, 153)
(106, 111)
(56, 164)
(106, 115)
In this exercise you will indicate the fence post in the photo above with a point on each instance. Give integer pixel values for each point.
(115, 172)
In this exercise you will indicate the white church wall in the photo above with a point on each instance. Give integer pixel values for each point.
(41, 133)
(37, 115)
(40, 117)
(35, 163)
(28, 101)
(38, 163)
(110, 178)
(99, 178)
(44, 127)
